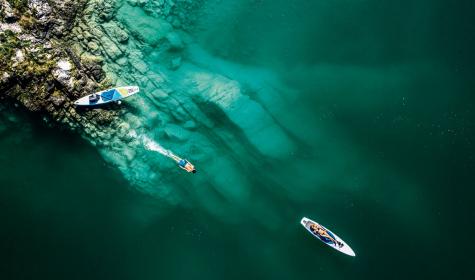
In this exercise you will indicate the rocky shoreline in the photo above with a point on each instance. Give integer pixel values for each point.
(53, 52)
(39, 69)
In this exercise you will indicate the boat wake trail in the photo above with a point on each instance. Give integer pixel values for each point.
(156, 147)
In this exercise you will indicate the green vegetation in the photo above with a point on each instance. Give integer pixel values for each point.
(36, 68)
(34, 65)
(27, 21)
(8, 43)
(19, 5)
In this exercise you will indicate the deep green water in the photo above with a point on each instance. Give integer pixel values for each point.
(379, 109)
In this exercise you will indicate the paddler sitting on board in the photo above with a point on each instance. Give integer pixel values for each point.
(323, 234)
(184, 164)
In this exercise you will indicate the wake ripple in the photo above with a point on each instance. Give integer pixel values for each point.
(156, 147)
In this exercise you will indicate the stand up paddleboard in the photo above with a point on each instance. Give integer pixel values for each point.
(107, 96)
(340, 244)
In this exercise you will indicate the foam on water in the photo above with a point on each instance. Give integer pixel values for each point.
(154, 146)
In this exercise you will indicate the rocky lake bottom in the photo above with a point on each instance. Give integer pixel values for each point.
(357, 114)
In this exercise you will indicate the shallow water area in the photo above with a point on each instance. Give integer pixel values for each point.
(355, 114)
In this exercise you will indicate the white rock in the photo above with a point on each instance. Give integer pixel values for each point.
(14, 27)
(64, 65)
(19, 56)
(62, 73)
(7, 10)
(41, 9)
(5, 77)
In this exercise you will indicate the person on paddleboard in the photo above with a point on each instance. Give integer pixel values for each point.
(183, 163)
(324, 235)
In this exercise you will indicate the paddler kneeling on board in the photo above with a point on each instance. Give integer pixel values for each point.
(323, 234)
(184, 164)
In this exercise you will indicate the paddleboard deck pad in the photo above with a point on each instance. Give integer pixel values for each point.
(331, 240)
(107, 96)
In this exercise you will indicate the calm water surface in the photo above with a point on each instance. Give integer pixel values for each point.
(383, 123)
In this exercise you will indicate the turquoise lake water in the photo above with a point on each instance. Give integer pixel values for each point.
(357, 114)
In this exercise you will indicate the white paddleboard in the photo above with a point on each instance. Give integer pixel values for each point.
(107, 96)
(340, 246)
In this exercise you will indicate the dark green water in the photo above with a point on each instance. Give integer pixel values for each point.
(383, 122)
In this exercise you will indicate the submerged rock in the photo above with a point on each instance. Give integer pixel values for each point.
(175, 41)
(115, 31)
(110, 48)
(93, 46)
(106, 9)
(176, 133)
(254, 121)
(175, 63)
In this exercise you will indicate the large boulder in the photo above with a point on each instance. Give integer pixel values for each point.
(62, 73)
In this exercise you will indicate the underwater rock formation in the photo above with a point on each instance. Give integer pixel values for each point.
(200, 107)
(140, 42)
(227, 118)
